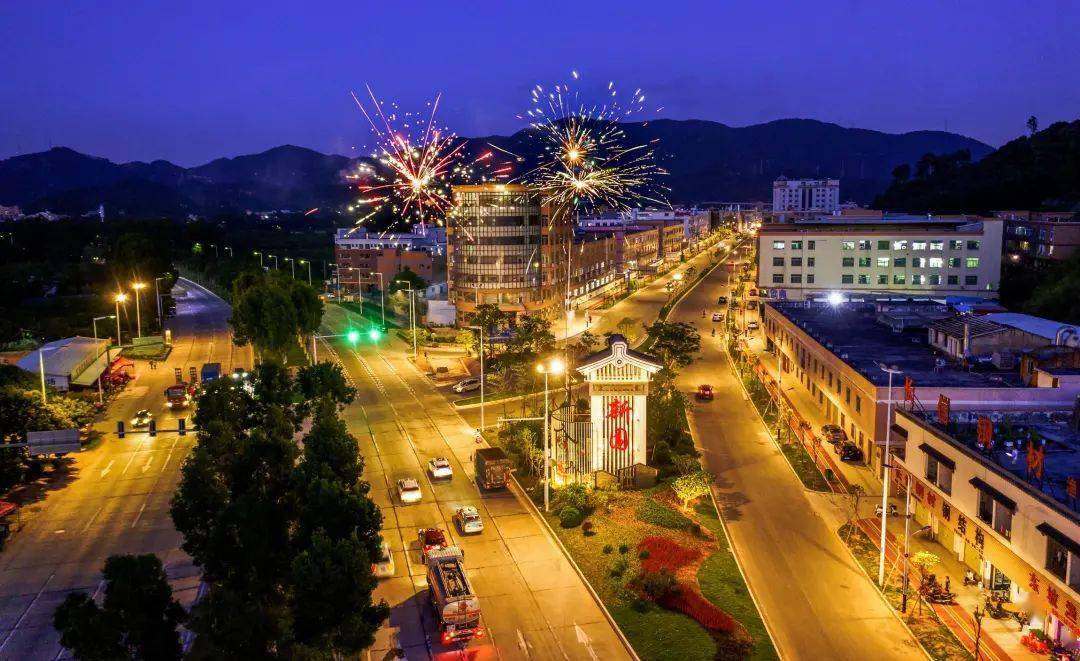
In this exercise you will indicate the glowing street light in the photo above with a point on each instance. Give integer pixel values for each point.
(119, 298)
(100, 390)
(887, 465)
(260, 257)
(292, 266)
(554, 366)
(138, 287)
(304, 261)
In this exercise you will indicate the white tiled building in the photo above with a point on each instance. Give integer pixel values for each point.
(805, 196)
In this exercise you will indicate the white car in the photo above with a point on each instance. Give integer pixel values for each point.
(409, 490)
(384, 566)
(142, 418)
(467, 385)
(716, 316)
(753, 325)
(440, 468)
(468, 520)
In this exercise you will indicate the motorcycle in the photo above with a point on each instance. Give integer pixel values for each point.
(939, 596)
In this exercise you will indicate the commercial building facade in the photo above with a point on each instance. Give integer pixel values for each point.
(1033, 238)
(362, 256)
(796, 197)
(910, 255)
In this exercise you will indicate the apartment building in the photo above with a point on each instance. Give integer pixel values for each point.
(912, 255)
(793, 198)
(834, 352)
(365, 260)
(1035, 238)
(1013, 521)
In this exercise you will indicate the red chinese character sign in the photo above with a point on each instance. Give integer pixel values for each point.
(943, 406)
(618, 379)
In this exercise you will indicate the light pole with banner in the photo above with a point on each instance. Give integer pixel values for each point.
(886, 465)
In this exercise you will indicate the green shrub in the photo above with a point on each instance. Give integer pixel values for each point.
(658, 584)
(587, 528)
(618, 568)
(570, 517)
(608, 548)
(661, 454)
(653, 512)
(573, 495)
(623, 548)
(644, 554)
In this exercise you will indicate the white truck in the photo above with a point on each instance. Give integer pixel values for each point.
(456, 607)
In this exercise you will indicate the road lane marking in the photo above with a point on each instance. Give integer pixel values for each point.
(105, 471)
(133, 454)
(22, 617)
(149, 462)
(137, 516)
(524, 644)
(93, 517)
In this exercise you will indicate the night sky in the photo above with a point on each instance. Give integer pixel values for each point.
(191, 81)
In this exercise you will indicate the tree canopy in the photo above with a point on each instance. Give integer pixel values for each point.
(272, 312)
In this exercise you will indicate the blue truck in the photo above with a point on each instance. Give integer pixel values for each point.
(210, 371)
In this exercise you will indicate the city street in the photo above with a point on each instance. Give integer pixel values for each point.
(114, 498)
(533, 604)
(816, 601)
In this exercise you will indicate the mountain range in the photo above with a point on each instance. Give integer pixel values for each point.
(706, 161)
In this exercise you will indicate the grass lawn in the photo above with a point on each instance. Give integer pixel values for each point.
(928, 629)
(148, 352)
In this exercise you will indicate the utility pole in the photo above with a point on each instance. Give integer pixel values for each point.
(886, 465)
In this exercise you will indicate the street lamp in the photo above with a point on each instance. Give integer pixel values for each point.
(41, 368)
(260, 258)
(885, 463)
(157, 297)
(138, 287)
(412, 319)
(274, 257)
(292, 266)
(382, 295)
(304, 261)
(119, 298)
(480, 329)
(216, 254)
(352, 335)
(108, 359)
(554, 366)
(228, 249)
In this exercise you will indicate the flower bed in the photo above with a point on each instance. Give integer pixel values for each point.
(665, 553)
(688, 600)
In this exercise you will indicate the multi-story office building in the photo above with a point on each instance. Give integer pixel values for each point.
(505, 247)
(365, 258)
(834, 353)
(1014, 524)
(912, 255)
(798, 197)
(1034, 238)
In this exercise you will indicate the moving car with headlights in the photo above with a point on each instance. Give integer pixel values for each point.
(440, 469)
(753, 325)
(142, 418)
(383, 567)
(704, 393)
(178, 396)
(468, 520)
(467, 385)
(716, 316)
(409, 490)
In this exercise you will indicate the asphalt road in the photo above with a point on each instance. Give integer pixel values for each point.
(114, 498)
(815, 599)
(533, 604)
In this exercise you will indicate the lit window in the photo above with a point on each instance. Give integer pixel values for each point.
(918, 245)
(918, 262)
(864, 245)
(899, 245)
(916, 279)
(883, 262)
(847, 245)
(972, 262)
(898, 279)
(955, 244)
(864, 279)
(936, 262)
(937, 245)
(796, 245)
(954, 262)
(778, 245)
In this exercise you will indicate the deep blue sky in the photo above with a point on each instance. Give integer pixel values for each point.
(190, 81)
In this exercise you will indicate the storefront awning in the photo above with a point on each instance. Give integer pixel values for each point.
(1001, 498)
(936, 454)
(1059, 537)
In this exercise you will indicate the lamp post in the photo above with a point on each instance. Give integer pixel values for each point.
(216, 254)
(274, 257)
(555, 366)
(382, 296)
(228, 249)
(260, 258)
(885, 463)
(119, 298)
(138, 287)
(304, 261)
(292, 266)
(412, 319)
(480, 330)
(100, 390)
(157, 298)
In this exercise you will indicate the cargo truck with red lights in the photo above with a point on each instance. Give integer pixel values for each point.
(456, 607)
(178, 396)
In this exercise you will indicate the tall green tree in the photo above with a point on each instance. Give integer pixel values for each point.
(273, 312)
(138, 620)
(675, 343)
(406, 278)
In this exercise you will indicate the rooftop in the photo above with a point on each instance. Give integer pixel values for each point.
(69, 357)
(853, 332)
(928, 224)
(1046, 328)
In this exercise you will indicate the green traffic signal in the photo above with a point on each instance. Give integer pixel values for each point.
(374, 334)
(353, 336)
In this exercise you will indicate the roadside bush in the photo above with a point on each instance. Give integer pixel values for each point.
(623, 548)
(573, 495)
(570, 517)
(658, 585)
(653, 512)
(599, 499)
(608, 548)
(587, 528)
(644, 554)
(661, 455)
(618, 567)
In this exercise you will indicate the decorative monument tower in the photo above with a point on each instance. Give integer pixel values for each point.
(612, 437)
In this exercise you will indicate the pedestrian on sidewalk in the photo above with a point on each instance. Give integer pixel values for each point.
(948, 582)
(153, 365)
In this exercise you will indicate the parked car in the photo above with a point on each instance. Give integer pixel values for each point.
(409, 490)
(430, 539)
(850, 452)
(440, 469)
(833, 434)
(142, 418)
(721, 300)
(752, 325)
(467, 385)
(704, 392)
(383, 567)
(468, 520)
(716, 316)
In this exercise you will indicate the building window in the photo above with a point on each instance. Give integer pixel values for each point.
(899, 245)
(937, 245)
(847, 279)
(848, 262)
(986, 507)
(973, 245)
(778, 245)
(882, 279)
(809, 278)
(954, 262)
(954, 280)
(796, 278)
(796, 261)
(1057, 558)
(847, 245)
(955, 244)
(810, 245)
(777, 261)
(972, 262)
(916, 279)
(778, 278)
(939, 474)
(971, 279)
(935, 279)
(898, 279)
(864, 279)
(810, 261)
(882, 245)
(796, 245)
(918, 245)
(918, 262)
(858, 404)
(883, 262)
(899, 262)
(936, 262)
(864, 262)
(864, 245)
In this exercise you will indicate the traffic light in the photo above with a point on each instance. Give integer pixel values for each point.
(153, 428)
(374, 334)
(352, 335)
(181, 426)
(120, 428)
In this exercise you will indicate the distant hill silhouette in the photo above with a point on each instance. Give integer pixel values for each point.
(707, 161)
(1037, 172)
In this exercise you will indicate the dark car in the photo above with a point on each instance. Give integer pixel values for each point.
(850, 452)
(721, 300)
(833, 434)
(704, 393)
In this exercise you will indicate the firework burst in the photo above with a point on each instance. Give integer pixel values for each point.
(420, 160)
(586, 157)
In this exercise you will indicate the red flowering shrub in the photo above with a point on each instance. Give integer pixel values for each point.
(707, 614)
(666, 554)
